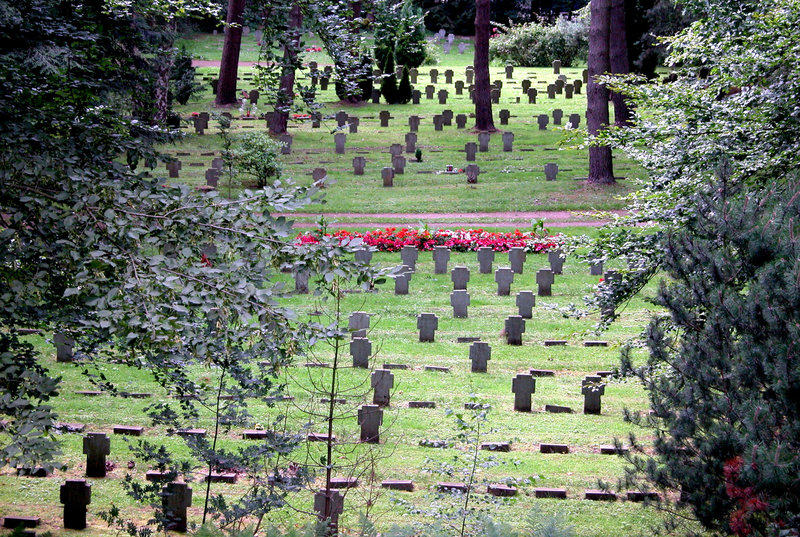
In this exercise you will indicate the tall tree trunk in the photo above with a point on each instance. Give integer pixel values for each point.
(618, 60)
(285, 98)
(483, 96)
(229, 66)
(165, 59)
(600, 164)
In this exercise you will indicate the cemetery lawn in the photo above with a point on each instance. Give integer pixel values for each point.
(394, 337)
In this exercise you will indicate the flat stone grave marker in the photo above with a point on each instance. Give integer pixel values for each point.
(176, 499)
(467, 339)
(613, 450)
(358, 324)
(344, 482)
(504, 277)
(370, 418)
(501, 490)
(508, 141)
(550, 171)
(600, 495)
(427, 323)
(96, 446)
(542, 373)
(128, 430)
(503, 447)
(319, 437)
(470, 148)
(553, 448)
(516, 257)
(191, 432)
(526, 300)
(557, 409)
(555, 342)
(14, 522)
(441, 255)
(360, 350)
(421, 404)
(479, 354)
(543, 120)
(451, 487)
(514, 328)
(485, 259)
(556, 259)
(483, 141)
(411, 142)
(642, 496)
(254, 434)
(523, 386)
(395, 366)
(437, 368)
(592, 389)
(222, 477)
(459, 300)
(387, 175)
(75, 494)
(381, 381)
(459, 276)
(560, 494)
(595, 343)
(544, 281)
(395, 484)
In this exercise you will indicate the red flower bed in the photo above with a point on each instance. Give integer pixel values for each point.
(392, 239)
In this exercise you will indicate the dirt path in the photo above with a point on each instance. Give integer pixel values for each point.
(454, 220)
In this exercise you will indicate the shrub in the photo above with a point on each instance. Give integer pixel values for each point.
(399, 31)
(404, 89)
(257, 155)
(389, 82)
(537, 45)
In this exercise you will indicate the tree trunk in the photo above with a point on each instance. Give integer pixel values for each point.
(165, 59)
(483, 96)
(600, 164)
(285, 98)
(618, 60)
(229, 66)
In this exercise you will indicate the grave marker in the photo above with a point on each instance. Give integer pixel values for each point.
(459, 300)
(472, 171)
(329, 504)
(556, 67)
(442, 95)
(508, 141)
(568, 89)
(526, 300)
(447, 116)
(427, 323)
(413, 123)
(550, 171)
(286, 147)
(429, 89)
(592, 388)
(556, 259)
(434, 76)
(353, 125)
(409, 255)
(459, 87)
(532, 94)
(358, 165)
(470, 148)
(176, 499)
(504, 277)
(558, 114)
(459, 276)
(341, 118)
(516, 257)
(96, 446)
(596, 269)
(64, 347)
(543, 120)
(387, 174)
(574, 121)
(75, 494)
(381, 381)
(461, 121)
(173, 166)
(479, 354)
(384, 116)
(544, 281)
(399, 164)
(361, 350)
(438, 122)
(504, 114)
(411, 142)
(301, 281)
(514, 328)
(412, 75)
(358, 324)
(370, 418)
(470, 74)
(523, 386)
(441, 255)
(485, 259)
(401, 279)
(483, 141)
(552, 89)
(339, 139)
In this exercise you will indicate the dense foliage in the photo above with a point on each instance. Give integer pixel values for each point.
(398, 30)
(722, 377)
(535, 44)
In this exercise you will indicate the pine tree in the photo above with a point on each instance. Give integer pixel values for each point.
(389, 82)
(404, 89)
(722, 376)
